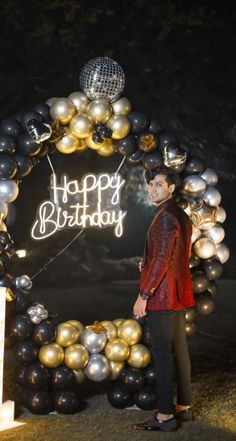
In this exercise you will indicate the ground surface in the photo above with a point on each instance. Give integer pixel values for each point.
(213, 374)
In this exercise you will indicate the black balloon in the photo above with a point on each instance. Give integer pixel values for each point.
(5, 259)
(27, 116)
(20, 327)
(8, 167)
(167, 137)
(212, 287)
(119, 396)
(194, 165)
(20, 375)
(151, 375)
(44, 333)
(26, 352)
(152, 160)
(6, 281)
(139, 122)
(146, 399)
(7, 144)
(141, 320)
(24, 165)
(67, 402)
(10, 249)
(63, 377)
(38, 131)
(37, 401)
(23, 299)
(126, 146)
(135, 158)
(204, 303)
(97, 137)
(8, 342)
(132, 379)
(155, 126)
(147, 141)
(4, 237)
(146, 339)
(37, 376)
(185, 146)
(27, 146)
(11, 127)
(44, 110)
(213, 268)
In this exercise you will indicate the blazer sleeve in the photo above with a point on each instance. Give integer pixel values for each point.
(166, 231)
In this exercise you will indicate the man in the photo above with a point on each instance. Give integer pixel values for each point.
(165, 292)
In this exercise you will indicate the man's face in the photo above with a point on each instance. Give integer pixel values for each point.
(159, 189)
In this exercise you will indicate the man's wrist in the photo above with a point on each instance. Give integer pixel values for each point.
(143, 295)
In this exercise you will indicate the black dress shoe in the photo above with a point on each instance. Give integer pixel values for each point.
(184, 415)
(170, 425)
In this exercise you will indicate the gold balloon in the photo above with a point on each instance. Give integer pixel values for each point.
(116, 367)
(51, 100)
(117, 350)
(121, 106)
(62, 109)
(204, 248)
(79, 376)
(80, 101)
(130, 331)
(94, 145)
(139, 357)
(77, 324)
(76, 357)
(118, 322)
(82, 145)
(51, 355)
(106, 149)
(3, 226)
(67, 334)
(100, 111)
(120, 126)
(68, 144)
(111, 329)
(81, 125)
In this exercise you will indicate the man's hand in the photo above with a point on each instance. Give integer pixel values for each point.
(139, 308)
(140, 264)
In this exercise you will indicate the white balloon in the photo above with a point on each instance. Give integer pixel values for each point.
(9, 191)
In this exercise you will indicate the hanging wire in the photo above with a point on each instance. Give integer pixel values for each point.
(58, 254)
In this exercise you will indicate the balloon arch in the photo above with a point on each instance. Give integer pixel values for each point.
(53, 357)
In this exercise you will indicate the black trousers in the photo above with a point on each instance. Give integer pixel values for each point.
(167, 334)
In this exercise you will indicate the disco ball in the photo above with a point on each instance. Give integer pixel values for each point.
(102, 78)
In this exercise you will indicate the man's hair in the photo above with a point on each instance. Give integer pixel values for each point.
(171, 176)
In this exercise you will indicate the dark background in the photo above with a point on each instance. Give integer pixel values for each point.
(180, 66)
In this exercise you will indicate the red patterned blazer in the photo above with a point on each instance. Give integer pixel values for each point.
(165, 273)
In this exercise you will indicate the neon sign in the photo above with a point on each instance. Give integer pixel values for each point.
(93, 202)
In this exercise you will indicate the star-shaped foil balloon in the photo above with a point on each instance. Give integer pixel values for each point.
(203, 216)
(173, 155)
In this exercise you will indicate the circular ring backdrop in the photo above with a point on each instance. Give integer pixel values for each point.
(54, 358)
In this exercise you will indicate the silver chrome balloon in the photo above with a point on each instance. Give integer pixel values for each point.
(37, 313)
(222, 252)
(98, 368)
(220, 215)
(194, 185)
(216, 233)
(92, 341)
(102, 78)
(196, 234)
(173, 155)
(8, 190)
(210, 176)
(23, 281)
(204, 248)
(212, 197)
